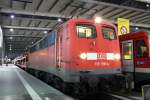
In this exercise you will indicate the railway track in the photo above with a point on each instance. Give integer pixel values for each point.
(110, 96)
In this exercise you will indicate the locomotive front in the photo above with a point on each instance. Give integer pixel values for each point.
(95, 51)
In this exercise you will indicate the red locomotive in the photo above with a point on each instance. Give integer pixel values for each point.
(77, 51)
(136, 56)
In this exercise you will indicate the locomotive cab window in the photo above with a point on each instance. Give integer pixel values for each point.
(141, 49)
(109, 33)
(127, 51)
(86, 31)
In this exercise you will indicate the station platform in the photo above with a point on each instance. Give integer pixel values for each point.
(16, 84)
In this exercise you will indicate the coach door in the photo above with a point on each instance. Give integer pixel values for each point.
(127, 56)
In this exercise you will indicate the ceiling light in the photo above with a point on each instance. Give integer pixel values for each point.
(45, 32)
(12, 16)
(11, 30)
(59, 20)
(32, 42)
(11, 38)
(136, 28)
(147, 5)
(98, 19)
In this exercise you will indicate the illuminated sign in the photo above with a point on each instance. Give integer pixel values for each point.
(123, 26)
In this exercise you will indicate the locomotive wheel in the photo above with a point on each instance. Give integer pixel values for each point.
(69, 88)
(75, 89)
(36, 73)
(84, 89)
(42, 76)
(30, 71)
(49, 79)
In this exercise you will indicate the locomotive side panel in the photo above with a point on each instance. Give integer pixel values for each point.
(67, 68)
(42, 56)
(38, 59)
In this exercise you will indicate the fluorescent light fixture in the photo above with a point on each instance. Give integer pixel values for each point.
(147, 5)
(12, 16)
(136, 28)
(11, 38)
(59, 20)
(45, 32)
(11, 29)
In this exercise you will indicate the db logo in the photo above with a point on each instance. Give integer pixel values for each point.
(101, 56)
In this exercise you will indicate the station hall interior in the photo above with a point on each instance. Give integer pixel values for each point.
(74, 49)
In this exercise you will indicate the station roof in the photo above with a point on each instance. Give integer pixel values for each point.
(34, 18)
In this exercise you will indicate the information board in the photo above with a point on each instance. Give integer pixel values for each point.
(123, 26)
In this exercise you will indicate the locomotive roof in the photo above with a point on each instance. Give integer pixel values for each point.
(80, 20)
(75, 20)
(134, 35)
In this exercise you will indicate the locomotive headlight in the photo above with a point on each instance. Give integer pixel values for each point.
(83, 55)
(117, 56)
(112, 56)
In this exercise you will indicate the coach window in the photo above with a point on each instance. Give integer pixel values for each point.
(86, 31)
(141, 49)
(109, 33)
(127, 51)
(51, 38)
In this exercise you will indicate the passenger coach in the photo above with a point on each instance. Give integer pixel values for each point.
(135, 49)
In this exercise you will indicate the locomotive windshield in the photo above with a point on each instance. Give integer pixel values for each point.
(86, 31)
(109, 33)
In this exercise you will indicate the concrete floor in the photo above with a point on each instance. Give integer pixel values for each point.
(16, 84)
